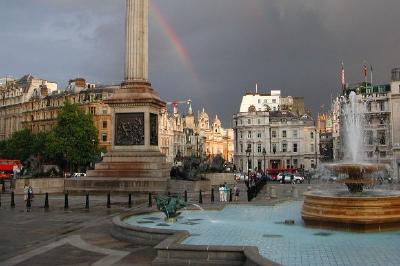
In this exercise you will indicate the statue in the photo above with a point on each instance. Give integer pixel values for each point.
(169, 206)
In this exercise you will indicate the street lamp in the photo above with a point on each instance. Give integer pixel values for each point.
(264, 153)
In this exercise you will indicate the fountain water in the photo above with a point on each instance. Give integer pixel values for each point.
(359, 210)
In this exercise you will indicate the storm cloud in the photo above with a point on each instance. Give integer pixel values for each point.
(293, 45)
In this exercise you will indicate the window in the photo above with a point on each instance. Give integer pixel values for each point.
(312, 147)
(382, 137)
(294, 147)
(249, 121)
(240, 121)
(284, 147)
(382, 106)
(295, 134)
(274, 148)
(92, 110)
(295, 163)
(259, 134)
(283, 133)
(241, 134)
(312, 135)
(249, 134)
(104, 124)
(369, 108)
(369, 138)
(259, 148)
(249, 146)
(259, 100)
(288, 164)
(241, 147)
(273, 100)
(104, 110)
(259, 121)
(370, 154)
(273, 133)
(382, 154)
(104, 137)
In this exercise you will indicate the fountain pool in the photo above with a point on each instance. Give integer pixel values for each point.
(263, 226)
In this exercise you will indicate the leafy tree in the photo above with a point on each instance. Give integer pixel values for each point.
(74, 140)
(19, 146)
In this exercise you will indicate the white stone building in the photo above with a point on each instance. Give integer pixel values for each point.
(288, 139)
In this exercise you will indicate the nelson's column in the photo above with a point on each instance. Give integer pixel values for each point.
(135, 163)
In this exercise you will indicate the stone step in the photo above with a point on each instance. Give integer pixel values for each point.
(132, 166)
(129, 173)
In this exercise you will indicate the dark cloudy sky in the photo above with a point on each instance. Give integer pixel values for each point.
(293, 45)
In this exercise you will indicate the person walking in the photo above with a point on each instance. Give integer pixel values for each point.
(226, 189)
(236, 191)
(26, 191)
(221, 193)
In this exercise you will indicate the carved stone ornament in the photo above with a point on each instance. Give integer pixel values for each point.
(154, 129)
(129, 129)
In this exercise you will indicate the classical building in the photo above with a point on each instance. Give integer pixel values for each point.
(381, 128)
(13, 95)
(265, 138)
(188, 136)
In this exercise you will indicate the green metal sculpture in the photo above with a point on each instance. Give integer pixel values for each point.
(170, 205)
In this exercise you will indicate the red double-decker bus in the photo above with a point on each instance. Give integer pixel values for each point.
(7, 167)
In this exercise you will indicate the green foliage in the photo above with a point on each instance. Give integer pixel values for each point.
(19, 146)
(75, 137)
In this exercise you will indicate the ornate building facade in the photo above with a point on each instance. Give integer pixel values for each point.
(189, 136)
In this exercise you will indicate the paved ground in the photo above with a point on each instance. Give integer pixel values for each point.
(81, 237)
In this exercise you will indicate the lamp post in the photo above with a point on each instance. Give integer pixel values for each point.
(264, 152)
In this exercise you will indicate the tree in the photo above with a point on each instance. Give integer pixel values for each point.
(19, 146)
(74, 140)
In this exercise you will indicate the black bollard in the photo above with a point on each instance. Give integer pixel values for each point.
(150, 201)
(130, 200)
(230, 195)
(200, 197)
(12, 200)
(28, 202)
(46, 202)
(185, 196)
(212, 195)
(3, 186)
(87, 201)
(108, 200)
(66, 206)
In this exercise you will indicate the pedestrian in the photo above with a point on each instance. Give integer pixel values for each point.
(236, 191)
(30, 192)
(26, 191)
(221, 193)
(226, 189)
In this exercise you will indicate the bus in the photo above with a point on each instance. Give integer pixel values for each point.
(7, 167)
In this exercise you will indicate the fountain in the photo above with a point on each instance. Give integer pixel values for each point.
(357, 209)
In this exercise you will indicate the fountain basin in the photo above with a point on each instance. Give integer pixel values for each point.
(370, 211)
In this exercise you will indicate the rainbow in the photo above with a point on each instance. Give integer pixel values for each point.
(175, 40)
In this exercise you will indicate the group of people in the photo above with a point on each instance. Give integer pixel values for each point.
(224, 190)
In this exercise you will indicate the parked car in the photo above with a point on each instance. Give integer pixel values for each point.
(298, 179)
(287, 178)
(76, 175)
(280, 176)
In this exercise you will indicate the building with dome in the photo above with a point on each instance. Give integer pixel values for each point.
(187, 135)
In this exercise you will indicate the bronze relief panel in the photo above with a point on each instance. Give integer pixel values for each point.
(129, 129)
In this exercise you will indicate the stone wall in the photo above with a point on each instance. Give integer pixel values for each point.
(40, 185)
(220, 178)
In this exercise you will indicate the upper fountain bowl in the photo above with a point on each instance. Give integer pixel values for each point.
(356, 169)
